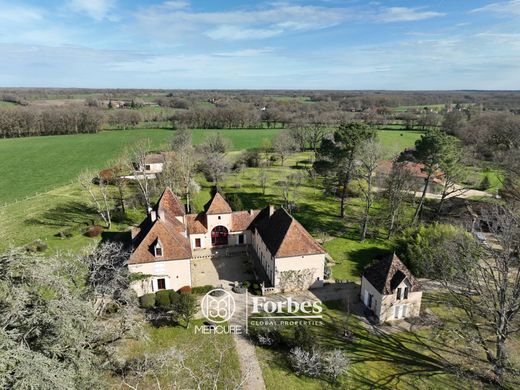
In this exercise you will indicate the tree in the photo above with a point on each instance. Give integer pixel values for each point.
(262, 179)
(135, 158)
(214, 163)
(54, 334)
(184, 307)
(452, 168)
(290, 190)
(284, 145)
(337, 156)
(180, 165)
(100, 196)
(397, 189)
(369, 155)
(484, 286)
(429, 151)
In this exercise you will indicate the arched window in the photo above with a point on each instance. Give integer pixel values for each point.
(219, 236)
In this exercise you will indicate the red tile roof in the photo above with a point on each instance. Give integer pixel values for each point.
(241, 220)
(175, 245)
(286, 237)
(217, 205)
(196, 223)
(169, 204)
(387, 273)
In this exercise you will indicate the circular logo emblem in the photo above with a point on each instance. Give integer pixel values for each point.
(218, 305)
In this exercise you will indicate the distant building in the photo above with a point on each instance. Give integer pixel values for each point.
(166, 241)
(390, 290)
(416, 170)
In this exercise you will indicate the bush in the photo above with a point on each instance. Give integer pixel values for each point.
(162, 299)
(308, 363)
(246, 284)
(304, 338)
(266, 336)
(251, 158)
(172, 294)
(202, 289)
(94, 231)
(425, 250)
(147, 301)
(185, 290)
(356, 187)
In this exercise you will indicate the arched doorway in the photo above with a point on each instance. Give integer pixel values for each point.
(219, 236)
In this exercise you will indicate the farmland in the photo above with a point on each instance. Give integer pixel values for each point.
(39, 164)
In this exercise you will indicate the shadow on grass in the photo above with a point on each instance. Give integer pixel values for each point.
(70, 214)
(251, 200)
(414, 356)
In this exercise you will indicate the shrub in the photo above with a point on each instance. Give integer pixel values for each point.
(162, 299)
(246, 284)
(356, 187)
(251, 158)
(334, 363)
(202, 289)
(147, 301)
(304, 338)
(266, 336)
(423, 249)
(185, 290)
(172, 294)
(308, 363)
(94, 231)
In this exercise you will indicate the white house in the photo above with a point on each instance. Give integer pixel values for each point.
(389, 289)
(164, 244)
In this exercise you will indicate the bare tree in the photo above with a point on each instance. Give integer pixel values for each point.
(397, 190)
(284, 146)
(136, 157)
(262, 179)
(370, 153)
(99, 194)
(483, 281)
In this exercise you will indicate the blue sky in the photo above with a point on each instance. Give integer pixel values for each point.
(320, 44)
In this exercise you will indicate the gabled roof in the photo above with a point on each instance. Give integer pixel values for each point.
(175, 245)
(154, 158)
(387, 273)
(169, 204)
(196, 223)
(284, 236)
(241, 220)
(217, 205)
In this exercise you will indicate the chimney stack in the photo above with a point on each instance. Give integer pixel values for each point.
(271, 209)
(153, 215)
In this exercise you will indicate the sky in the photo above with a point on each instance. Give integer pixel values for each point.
(299, 44)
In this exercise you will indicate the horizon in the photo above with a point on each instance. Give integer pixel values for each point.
(330, 45)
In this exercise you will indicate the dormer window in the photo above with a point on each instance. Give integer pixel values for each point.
(158, 249)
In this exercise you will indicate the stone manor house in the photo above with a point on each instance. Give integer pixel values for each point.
(164, 244)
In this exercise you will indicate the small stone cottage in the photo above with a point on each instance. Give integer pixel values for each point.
(390, 290)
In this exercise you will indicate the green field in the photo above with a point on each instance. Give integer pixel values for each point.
(39, 164)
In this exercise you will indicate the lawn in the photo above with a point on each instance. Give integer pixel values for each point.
(201, 352)
(401, 360)
(38, 164)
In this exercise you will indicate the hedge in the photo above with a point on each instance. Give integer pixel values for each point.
(147, 301)
(202, 289)
(162, 298)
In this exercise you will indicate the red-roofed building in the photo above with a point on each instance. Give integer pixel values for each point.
(384, 168)
(164, 243)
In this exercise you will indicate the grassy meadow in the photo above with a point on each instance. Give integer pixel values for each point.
(39, 164)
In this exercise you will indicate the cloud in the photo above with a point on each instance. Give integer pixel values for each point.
(508, 8)
(178, 19)
(18, 14)
(96, 9)
(404, 14)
